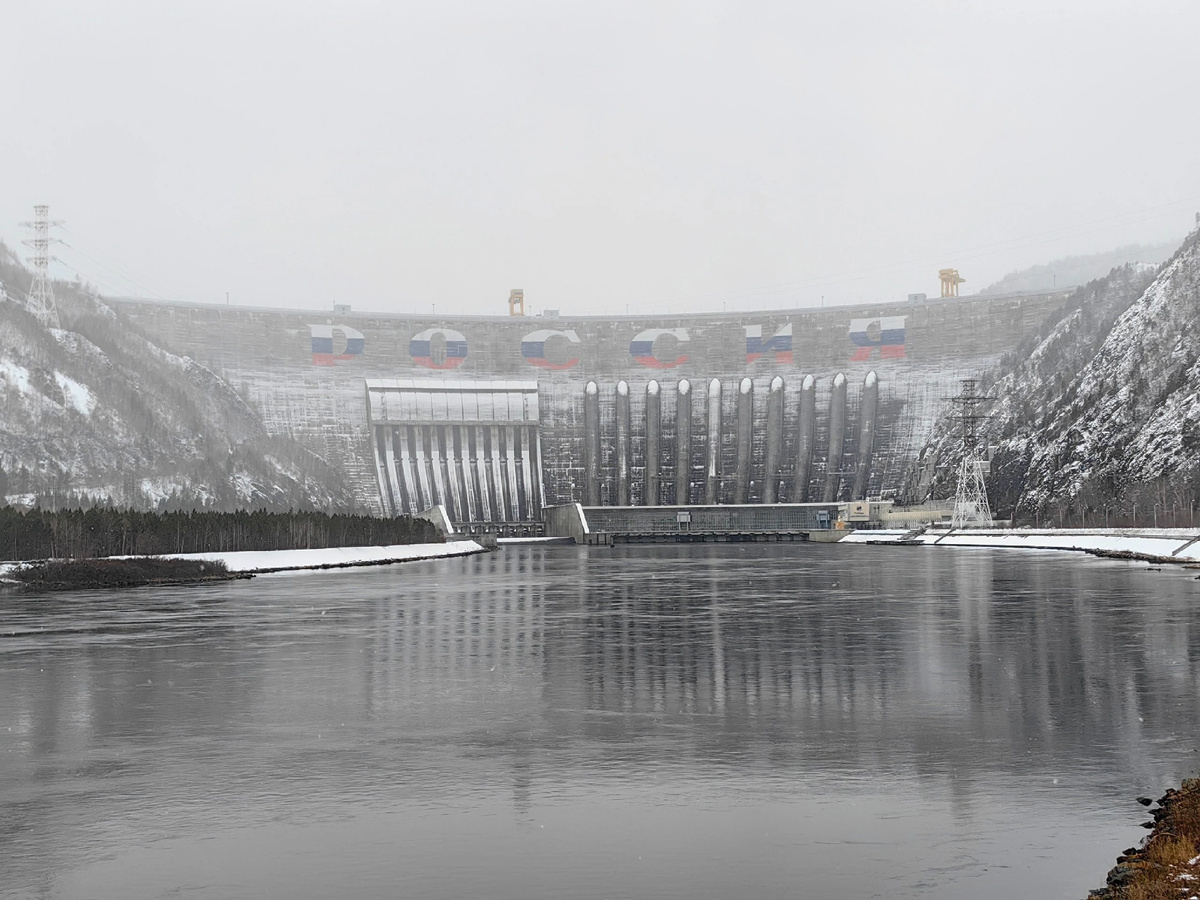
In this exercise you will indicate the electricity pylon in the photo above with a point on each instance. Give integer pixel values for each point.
(970, 498)
(40, 298)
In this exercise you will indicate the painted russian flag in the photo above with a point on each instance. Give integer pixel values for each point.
(885, 333)
(420, 348)
(533, 348)
(779, 343)
(641, 348)
(322, 344)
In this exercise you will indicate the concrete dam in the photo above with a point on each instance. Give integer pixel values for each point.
(499, 417)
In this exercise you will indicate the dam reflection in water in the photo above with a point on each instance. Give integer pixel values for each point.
(754, 720)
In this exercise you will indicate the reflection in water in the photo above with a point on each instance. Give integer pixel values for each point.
(743, 716)
(952, 662)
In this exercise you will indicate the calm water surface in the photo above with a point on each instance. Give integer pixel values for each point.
(752, 721)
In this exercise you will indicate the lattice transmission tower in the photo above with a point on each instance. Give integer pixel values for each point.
(971, 505)
(40, 298)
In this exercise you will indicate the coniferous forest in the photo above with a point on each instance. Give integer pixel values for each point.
(104, 531)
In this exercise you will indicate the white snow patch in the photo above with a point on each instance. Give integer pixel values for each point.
(76, 394)
(332, 557)
(156, 490)
(1163, 542)
(243, 483)
(329, 558)
(183, 363)
(17, 376)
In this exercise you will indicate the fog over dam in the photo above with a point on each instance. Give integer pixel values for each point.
(496, 417)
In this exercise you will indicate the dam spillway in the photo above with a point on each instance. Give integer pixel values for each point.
(497, 417)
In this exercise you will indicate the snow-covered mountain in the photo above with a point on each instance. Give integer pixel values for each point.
(1100, 417)
(96, 410)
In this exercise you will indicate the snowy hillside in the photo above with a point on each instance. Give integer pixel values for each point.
(96, 410)
(1129, 424)
(1101, 417)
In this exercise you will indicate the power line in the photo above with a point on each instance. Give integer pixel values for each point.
(149, 291)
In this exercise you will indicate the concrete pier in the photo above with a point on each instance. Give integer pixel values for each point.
(470, 491)
(624, 455)
(653, 477)
(478, 472)
(770, 492)
(837, 439)
(805, 439)
(512, 446)
(866, 435)
(591, 445)
(422, 463)
(712, 458)
(457, 509)
(683, 442)
(745, 425)
(498, 479)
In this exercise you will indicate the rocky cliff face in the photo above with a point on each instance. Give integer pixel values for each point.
(95, 411)
(1100, 417)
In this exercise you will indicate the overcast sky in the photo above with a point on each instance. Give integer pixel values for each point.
(657, 155)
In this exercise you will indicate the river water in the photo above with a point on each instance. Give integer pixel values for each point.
(749, 721)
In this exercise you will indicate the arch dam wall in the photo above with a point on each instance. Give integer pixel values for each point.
(498, 416)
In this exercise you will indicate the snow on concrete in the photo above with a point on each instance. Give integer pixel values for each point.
(1182, 545)
(331, 557)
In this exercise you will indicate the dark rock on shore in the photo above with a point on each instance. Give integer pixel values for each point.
(1168, 862)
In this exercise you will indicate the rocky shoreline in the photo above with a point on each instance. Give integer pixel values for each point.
(1135, 556)
(1166, 866)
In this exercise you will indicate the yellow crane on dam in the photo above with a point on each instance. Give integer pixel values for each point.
(950, 281)
(516, 302)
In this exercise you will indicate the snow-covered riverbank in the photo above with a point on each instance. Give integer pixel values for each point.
(250, 562)
(1166, 544)
(333, 557)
